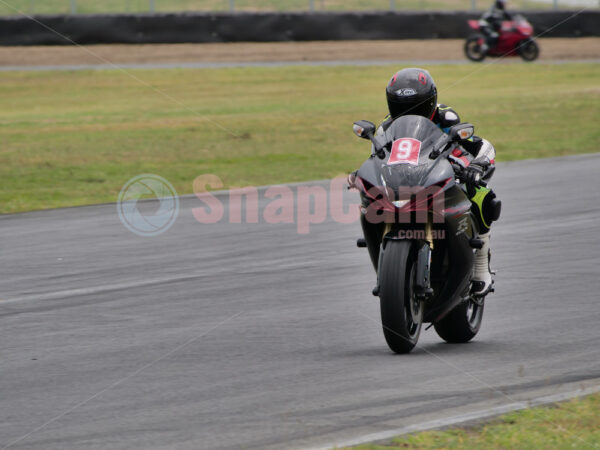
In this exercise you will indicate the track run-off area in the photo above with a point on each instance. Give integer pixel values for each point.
(447, 51)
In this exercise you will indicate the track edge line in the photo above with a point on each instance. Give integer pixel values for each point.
(463, 418)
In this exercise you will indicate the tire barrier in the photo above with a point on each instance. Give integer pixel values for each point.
(270, 27)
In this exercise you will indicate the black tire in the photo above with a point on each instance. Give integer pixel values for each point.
(528, 50)
(462, 323)
(473, 49)
(401, 313)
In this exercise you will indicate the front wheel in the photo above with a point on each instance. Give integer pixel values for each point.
(462, 323)
(473, 47)
(401, 310)
(528, 50)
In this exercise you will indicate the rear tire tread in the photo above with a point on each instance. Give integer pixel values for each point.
(476, 57)
(456, 327)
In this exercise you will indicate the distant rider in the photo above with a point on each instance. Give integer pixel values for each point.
(493, 19)
(413, 91)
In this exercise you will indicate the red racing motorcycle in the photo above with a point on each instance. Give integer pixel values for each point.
(515, 38)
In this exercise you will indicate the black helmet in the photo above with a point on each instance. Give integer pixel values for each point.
(411, 91)
(500, 4)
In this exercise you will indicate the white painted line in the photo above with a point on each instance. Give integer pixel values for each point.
(58, 295)
(463, 418)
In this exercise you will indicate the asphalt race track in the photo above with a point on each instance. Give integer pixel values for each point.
(225, 65)
(252, 335)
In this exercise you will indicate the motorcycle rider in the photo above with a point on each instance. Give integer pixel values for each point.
(413, 91)
(493, 23)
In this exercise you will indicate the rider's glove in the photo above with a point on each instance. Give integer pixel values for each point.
(352, 180)
(474, 172)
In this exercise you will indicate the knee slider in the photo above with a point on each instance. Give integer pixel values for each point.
(486, 207)
(492, 209)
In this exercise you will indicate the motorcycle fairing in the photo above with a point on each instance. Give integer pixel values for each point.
(378, 172)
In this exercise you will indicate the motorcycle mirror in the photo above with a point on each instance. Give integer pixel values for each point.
(364, 129)
(439, 145)
(462, 131)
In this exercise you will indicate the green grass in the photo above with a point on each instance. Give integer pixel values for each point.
(10, 7)
(74, 138)
(575, 424)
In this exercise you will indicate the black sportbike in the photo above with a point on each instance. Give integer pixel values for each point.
(420, 230)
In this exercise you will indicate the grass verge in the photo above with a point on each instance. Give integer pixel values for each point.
(573, 424)
(11, 7)
(74, 138)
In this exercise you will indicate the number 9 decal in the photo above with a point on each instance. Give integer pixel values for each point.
(405, 151)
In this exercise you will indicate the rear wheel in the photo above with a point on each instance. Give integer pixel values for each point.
(473, 49)
(462, 323)
(528, 50)
(401, 310)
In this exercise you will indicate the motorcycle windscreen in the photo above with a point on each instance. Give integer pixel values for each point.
(408, 162)
(414, 127)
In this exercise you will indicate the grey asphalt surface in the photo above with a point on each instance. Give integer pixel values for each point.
(255, 336)
(223, 65)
